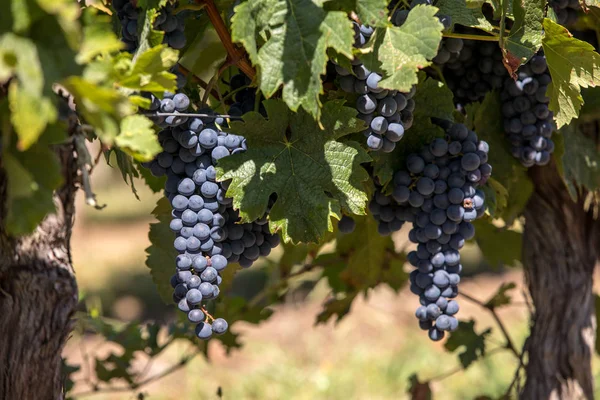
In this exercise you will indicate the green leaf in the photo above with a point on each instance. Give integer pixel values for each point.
(161, 254)
(367, 254)
(399, 52)
(501, 298)
(98, 38)
(147, 36)
(205, 54)
(525, 36)
(338, 307)
(489, 237)
(461, 14)
(372, 12)
(137, 138)
(33, 175)
(432, 99)
(573, 64)
(125, 164)
(294, 55)
(314, 175)
(149, 71)
(30, 114)
(156, 184)
(471, 343)
(101, 107)
(580, 161)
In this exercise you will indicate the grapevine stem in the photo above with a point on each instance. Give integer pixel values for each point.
(509, 342)
(185, 360)
(207, 313)
(472, 37)
(236, 55)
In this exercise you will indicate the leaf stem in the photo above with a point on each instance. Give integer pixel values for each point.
(235, 54)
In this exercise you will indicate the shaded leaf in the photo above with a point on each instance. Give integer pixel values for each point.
(501, 298)
(161, 254)
(500, 246)
(463, 13)
(294, 55)
(470, 344)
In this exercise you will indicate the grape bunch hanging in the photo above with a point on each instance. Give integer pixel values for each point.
(438, 194)
(208, 235)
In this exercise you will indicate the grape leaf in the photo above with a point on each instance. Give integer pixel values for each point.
(338, 306)
(314, 175)
(31, 111)
(366, 255)
(488, 236)
(98, 39)
(205, 54)
(573, 64)
(298, 33)
(578, 160)
(463, 13)
(501, 298)
(525, 36)
(399, 52)
(370, 12)
(161, 253)
(149, 70)
(471, 343)
(33, 175)
(137, 138)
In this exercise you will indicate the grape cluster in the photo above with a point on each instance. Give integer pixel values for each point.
(471, 68)
(245, 97)
(387, 113)
(527, 120)
(566, 10)
(208, 236)
(438, 193)
(166, 21)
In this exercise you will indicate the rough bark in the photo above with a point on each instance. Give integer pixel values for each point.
(38, 297)
(559, 254)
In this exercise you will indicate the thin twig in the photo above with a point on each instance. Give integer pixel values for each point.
(192, 115)
(189, 74)
(235, 54)
(183, 362)
(509, 342)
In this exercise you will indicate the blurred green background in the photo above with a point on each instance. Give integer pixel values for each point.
(368, 355)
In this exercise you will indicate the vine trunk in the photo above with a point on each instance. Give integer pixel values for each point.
(560, 250)
(38, 296)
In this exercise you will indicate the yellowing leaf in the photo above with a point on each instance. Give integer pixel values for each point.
(573, 64)
(138, 138)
